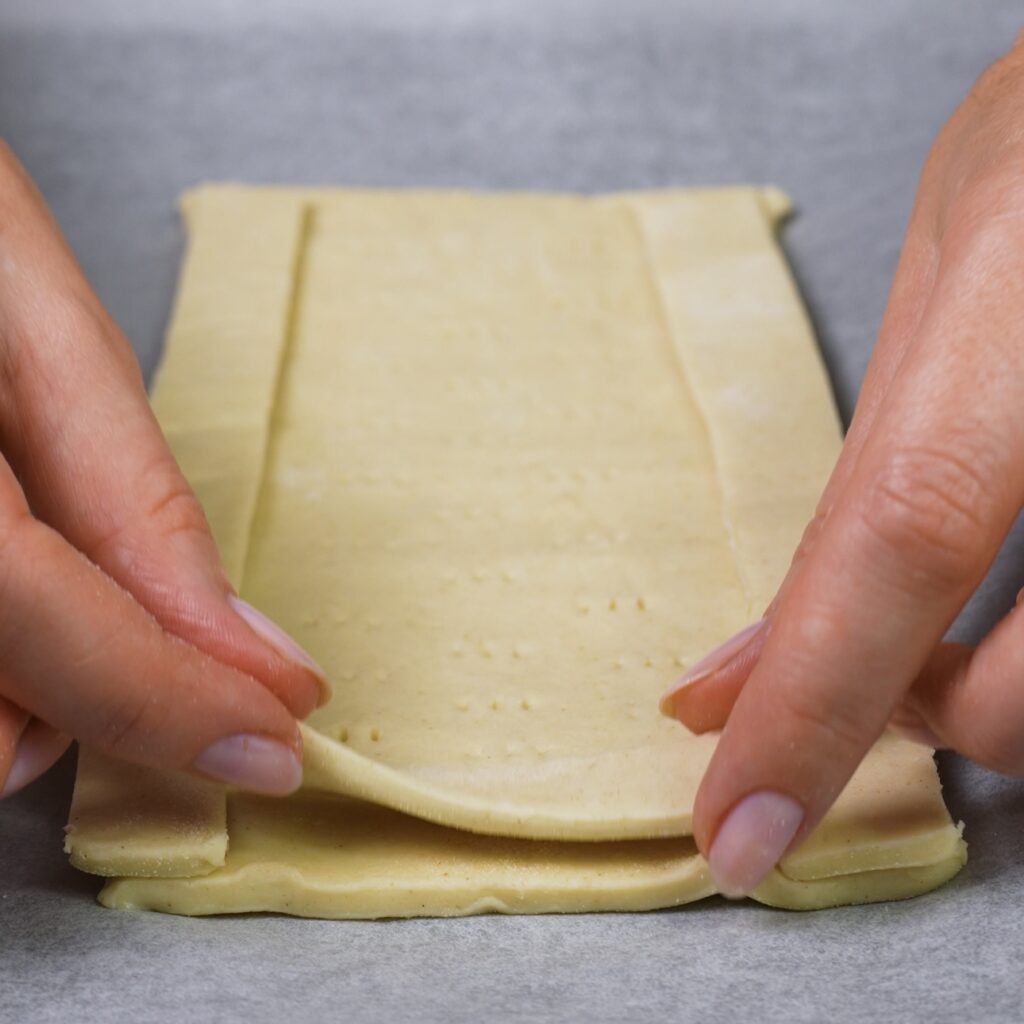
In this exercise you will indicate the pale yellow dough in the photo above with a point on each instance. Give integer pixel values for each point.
(504, 464)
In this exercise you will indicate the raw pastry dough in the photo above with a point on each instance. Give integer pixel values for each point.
(504, 464)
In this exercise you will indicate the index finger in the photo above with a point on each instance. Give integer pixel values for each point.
(934, 492)
(78, 430)
(79, 653)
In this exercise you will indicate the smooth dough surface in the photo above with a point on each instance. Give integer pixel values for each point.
(504, 464)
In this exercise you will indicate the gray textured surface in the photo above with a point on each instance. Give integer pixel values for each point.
(116, 108)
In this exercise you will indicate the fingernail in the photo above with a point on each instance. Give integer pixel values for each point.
(274, 635)
(255, 763)
(38, 750)
(712, 662)
(751, 840)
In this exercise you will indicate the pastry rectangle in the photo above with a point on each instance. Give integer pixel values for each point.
(504, 464)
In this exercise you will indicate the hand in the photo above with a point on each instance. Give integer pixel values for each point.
(930, 479)
(117, 624)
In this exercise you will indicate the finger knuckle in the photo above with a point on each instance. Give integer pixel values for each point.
(177, 510)
(823, 722)
(128, 726)
(811, 533)
(1003, 75)
(927, 510)
(166, 508)
(984, 208)
(168, 503)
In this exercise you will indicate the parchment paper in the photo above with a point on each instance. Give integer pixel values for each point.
(117, 108)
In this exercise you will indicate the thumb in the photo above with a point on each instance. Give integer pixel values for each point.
(970, 699)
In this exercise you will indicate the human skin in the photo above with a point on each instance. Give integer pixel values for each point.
(929, 481)
(118, 626)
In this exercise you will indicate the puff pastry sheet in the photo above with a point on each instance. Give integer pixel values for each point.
(505, 464)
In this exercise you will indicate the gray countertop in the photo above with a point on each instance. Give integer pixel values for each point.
(115, 108)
